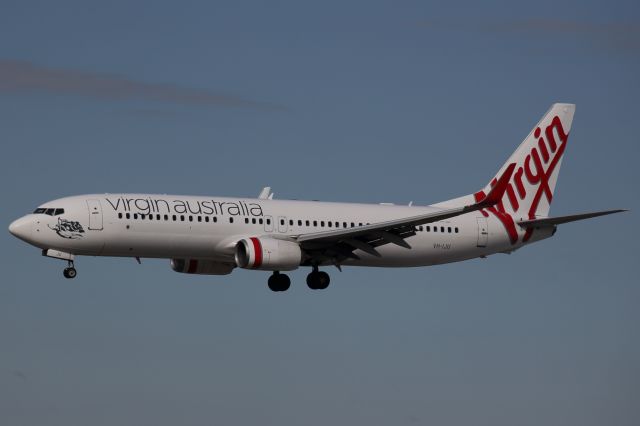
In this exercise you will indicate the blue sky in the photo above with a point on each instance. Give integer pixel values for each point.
(358, 101)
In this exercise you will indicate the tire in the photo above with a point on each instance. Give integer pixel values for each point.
(312, 280)
(273, 282)
(279, 282)
(284, 282)
(323, 280)
(70, 273)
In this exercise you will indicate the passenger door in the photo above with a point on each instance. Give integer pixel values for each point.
(95, 214)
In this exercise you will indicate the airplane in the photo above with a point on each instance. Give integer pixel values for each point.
(215, 235)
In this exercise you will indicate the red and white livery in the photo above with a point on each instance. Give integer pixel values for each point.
(215, 235)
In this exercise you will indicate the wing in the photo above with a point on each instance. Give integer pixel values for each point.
(338, 245)
(552, 221)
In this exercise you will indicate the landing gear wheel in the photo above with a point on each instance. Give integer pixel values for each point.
(323, 280)
(279, 282)
(318, 280)
(69, 272)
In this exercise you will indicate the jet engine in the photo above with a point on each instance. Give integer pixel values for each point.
(268, 254)
(201, 266)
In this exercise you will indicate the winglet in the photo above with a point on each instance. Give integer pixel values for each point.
(495, 195)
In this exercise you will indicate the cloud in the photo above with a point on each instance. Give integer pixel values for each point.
(620, 35)
(27, 77)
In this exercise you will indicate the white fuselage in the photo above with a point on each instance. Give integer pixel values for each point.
(208, 228)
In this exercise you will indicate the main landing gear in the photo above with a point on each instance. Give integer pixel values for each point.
(279, 282)
(316, 280)
(70, 271)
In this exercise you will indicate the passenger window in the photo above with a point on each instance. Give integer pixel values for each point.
(174, 218)
(322, 223)
(190, 218)
(290, 222)
(246, 220)
(268, 221)
(119, 215)
(157, 217)
(150, 217)
(420, 228)
(428, 229)
(260, 221)
(360, 224)
(353, 225)
(199, 218)
(128, 216)
(442, 229)
(135, 215)
(231, 220)
(253, 220)
(206, 219)
(456, 229)
(449, 229)
(306, 222)
(281, 221)
(181, 218)
(215, 218)
(299, 223)
(329, 224)
(315, 223)
(435, 229)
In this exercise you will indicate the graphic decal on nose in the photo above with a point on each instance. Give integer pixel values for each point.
(68, 229)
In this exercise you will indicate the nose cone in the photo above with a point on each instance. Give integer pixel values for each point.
(21, 228)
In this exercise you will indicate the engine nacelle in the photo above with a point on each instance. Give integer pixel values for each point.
(268, 254)
(201, 266)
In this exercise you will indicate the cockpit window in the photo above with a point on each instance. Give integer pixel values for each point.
(50, 212)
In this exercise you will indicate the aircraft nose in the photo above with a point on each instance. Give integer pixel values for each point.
(21, 228)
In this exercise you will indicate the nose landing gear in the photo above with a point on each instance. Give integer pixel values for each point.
(70, 271)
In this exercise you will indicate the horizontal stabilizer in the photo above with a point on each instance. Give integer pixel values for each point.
(552, 221)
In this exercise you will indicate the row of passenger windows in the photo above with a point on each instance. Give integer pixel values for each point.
(261, 221)
(174, 217)
(50, 212)
(430, 228)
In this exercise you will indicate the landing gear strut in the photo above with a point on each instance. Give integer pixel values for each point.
(279, 282)
(70, 271)
(318, 280)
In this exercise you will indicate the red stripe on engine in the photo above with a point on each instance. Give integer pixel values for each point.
(257, 248)
(193, 266)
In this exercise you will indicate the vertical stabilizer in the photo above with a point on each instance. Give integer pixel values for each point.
(538, 160)
(537, 164)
